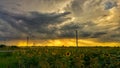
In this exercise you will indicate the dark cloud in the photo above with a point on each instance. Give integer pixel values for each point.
(33, 22)
(109, 5)
(53, 20)
(89, 30)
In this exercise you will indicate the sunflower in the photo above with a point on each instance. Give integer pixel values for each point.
(53, 53)
(107, 55)
(81, 56)
(68, 54)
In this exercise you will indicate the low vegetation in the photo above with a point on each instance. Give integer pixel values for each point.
(61, 57)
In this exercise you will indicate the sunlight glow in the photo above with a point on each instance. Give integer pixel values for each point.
(66, 42)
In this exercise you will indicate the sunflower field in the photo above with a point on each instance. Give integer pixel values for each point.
(60, 57)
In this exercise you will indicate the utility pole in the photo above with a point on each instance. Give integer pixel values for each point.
(27, 40)
(4, 41)
(76, 38)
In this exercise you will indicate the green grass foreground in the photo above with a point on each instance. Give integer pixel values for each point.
(60, 57)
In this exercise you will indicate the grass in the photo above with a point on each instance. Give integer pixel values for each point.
(61, 57)
(7, 60)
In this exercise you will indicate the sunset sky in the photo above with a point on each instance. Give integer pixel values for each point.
(53, 22)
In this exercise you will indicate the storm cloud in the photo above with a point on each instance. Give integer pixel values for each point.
(32, 22)
(46, 19)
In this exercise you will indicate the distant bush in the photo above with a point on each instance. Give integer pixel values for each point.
(2, 45)
(14, 46)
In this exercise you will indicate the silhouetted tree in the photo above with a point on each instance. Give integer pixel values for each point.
(2, 45)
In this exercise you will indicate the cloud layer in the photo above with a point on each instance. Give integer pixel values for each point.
(46, 19)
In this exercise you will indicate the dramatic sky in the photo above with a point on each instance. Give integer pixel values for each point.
(53, 22)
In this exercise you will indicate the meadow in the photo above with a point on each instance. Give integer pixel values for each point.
(59, 57)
